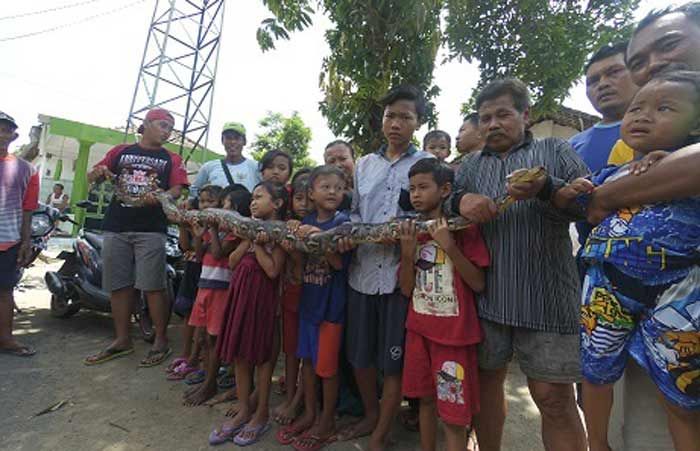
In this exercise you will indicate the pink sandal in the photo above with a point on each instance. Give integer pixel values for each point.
(181, 371)
(175, 363)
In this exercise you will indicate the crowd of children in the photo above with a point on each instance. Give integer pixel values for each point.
(243, 301)
(406, 308)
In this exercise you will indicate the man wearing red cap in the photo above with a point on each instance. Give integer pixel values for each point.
(134, 237)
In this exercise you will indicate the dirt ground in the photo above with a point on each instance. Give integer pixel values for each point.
(118, 406)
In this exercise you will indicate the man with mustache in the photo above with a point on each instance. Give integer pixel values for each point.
(530, 307)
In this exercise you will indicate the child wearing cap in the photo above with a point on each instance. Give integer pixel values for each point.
(234, 168)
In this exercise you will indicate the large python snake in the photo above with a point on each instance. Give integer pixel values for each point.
(278, 231)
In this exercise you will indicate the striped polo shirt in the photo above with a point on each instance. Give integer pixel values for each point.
(533, 281)
(19, 192)
(215, 271)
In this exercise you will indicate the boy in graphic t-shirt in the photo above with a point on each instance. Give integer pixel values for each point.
(439, 272)
(134, 240)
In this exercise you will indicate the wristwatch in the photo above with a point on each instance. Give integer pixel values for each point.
(551, 186)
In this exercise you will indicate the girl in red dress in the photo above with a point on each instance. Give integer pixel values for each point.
(247, 338)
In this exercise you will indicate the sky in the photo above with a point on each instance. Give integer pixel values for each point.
(87, 71)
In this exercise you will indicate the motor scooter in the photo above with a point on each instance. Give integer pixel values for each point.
(78, 282)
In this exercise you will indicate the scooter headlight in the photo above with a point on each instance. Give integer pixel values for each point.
(41, 224)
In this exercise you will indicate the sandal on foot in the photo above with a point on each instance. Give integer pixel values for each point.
(155, 357)
(287, 434)
(314, 442)
(175, 363)
(255, 433)
(19, 351)
(410, 420)
(225, 434)
(226, 381)
(281, 386)
(106, 355)
(181, 372)
(196, 377)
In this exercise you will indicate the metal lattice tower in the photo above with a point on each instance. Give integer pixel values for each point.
(178, 69)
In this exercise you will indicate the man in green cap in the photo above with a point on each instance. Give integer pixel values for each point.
(235, 168)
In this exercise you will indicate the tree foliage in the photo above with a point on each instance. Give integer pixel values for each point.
(289, 134)
(375, 44)
(544, 43)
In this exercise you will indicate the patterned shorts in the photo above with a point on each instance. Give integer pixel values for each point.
(664, 337)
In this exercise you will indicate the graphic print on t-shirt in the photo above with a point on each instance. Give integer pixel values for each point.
(434, 291)
(137, 171)
(317, 271)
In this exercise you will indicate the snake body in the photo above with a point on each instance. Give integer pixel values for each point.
(278, 231)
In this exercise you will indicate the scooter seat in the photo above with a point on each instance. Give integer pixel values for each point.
(95, 239)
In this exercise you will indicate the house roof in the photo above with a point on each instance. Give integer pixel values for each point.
(569, 117)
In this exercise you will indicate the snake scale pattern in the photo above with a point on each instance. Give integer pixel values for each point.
(327, 241)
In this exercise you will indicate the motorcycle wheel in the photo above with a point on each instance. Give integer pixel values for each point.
(143, 318)
(62, 308)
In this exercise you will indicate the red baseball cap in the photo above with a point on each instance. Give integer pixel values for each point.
(159, 114)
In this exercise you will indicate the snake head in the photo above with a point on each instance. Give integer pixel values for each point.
(526, 175)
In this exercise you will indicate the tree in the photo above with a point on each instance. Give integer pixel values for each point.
(542, 42)
(376, 44)
(289, 134)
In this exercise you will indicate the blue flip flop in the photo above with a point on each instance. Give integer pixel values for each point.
(257, 431)
(217, 437)
(195, 378)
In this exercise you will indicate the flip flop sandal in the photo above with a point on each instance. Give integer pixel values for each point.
(155, 357)
(21, 351)
(181, 372)
(175, 363)
(106, 355)
(315, 442)
(226, 381)
(410, 420)
(196, 377)
(256, 431)
(281, 387)
(287, 434)
(217, 437)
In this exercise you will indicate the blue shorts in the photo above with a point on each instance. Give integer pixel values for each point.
(9, 271)
(663, 336)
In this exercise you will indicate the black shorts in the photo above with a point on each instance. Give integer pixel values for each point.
(187, 292)
(9, 271)
(376, 331)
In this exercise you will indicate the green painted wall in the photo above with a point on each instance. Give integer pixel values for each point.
(87, 135)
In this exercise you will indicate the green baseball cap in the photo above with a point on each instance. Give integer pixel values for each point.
(234, 127)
